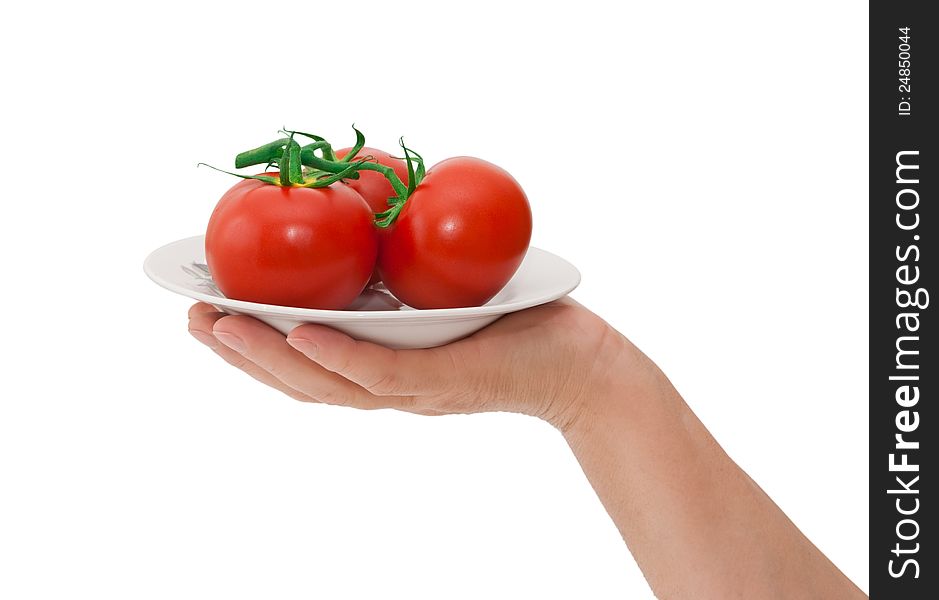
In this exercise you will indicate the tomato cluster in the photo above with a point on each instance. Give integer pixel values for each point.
(324, 225)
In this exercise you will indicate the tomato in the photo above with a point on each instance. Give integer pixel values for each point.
(459, 238)
(372, 185)
(291, 246)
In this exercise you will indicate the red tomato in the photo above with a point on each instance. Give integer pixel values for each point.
(372, 185)
(291, 246)
(459, 238)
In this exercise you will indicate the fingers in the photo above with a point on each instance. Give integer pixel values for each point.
(275, 361)
(200, 326)
(269, 350)
(200, 307)
(380, 370)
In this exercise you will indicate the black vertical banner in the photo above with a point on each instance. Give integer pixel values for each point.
(904, 372)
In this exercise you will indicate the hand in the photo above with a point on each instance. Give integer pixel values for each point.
(696, 523)
(545, 362)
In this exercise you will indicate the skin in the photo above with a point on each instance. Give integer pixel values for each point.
(697, 525)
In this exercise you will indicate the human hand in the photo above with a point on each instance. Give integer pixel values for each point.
(696, 523)
(545, 362)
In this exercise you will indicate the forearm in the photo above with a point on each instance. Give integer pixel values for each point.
(696, 523)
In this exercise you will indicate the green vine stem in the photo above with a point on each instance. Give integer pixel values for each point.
(286, 154)
(416, 173)
(261, 155)
(415, 177)
(271, 153)
(325, 168)
(264, 178)
(328, 154)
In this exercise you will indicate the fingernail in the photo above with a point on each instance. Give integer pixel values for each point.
(206, 338)
(305, 346)
(231, 340)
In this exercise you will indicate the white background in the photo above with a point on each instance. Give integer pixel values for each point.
(703, 164)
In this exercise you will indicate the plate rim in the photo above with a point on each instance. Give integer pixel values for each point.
(332, 315)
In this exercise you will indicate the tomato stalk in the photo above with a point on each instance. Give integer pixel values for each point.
(416, 172)
(325, 168)
(328, 154)
(329, 164)
(415, 176)
(261, 155)
(402, 192)
(271, 153)
(290, 165)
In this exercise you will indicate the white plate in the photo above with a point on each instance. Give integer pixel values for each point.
(375, 316)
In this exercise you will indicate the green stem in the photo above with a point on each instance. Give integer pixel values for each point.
(350, 172)
(291, 171)
(264, 178)
(328, 153)
(387, 218)
(294, 168)
(330, 166)
(261, 155)
(415, 176)
(397, 185)
(359, 144)
(310, 150)
(290, 159)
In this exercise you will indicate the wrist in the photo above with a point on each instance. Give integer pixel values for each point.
(625, 391)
